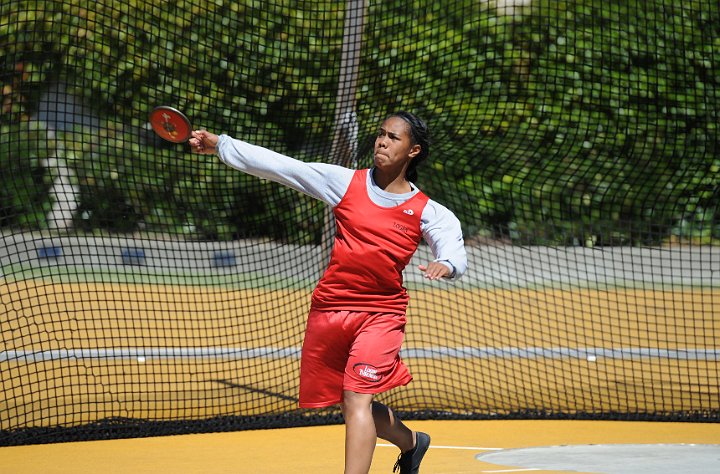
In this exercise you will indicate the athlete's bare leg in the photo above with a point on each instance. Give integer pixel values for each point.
(390, 428)
(360, 434)
(365, 421)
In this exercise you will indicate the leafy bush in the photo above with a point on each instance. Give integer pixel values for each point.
(574, 120)
(24, 184)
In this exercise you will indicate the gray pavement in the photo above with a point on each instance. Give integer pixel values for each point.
(491, 266)
(611, 458)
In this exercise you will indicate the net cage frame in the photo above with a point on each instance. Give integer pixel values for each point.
(146, 291)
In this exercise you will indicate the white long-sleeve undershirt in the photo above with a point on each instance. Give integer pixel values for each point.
(328, 183)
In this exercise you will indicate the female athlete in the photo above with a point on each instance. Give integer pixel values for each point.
(356, 323)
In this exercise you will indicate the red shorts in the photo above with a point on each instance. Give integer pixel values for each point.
(350, 350)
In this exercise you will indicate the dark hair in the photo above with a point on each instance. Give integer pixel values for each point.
(420, 135)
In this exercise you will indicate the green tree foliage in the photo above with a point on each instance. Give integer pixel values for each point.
(24, 185)
(566, 120)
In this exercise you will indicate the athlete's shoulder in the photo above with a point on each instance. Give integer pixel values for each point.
(435, 211)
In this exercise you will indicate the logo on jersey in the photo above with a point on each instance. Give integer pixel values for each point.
(401, 227)
(409, 212)
(367, 371)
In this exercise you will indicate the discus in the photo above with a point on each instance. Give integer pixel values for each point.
(170, 124)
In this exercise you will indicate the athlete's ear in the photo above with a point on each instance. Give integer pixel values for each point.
(414, 151)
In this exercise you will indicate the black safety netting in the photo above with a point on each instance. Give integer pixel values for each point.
(148, 290)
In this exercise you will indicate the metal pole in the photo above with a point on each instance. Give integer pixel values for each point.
(345, 132)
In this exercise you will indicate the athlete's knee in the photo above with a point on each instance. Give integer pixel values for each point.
(384, 419)
(382, 414)
(356, 403)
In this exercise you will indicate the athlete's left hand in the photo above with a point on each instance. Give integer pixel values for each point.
(435, 270)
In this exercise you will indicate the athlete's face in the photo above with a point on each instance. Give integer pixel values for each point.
(393, 144)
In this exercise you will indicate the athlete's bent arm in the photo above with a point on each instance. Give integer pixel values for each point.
(443, 233)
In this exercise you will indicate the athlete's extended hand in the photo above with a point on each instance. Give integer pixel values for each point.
(435, 270)
(204, 142)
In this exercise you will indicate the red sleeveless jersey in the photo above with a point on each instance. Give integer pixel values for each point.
(373, 245)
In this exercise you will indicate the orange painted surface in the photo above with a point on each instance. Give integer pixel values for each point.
(319, 450)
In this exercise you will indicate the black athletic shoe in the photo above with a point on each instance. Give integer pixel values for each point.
(409, 462)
